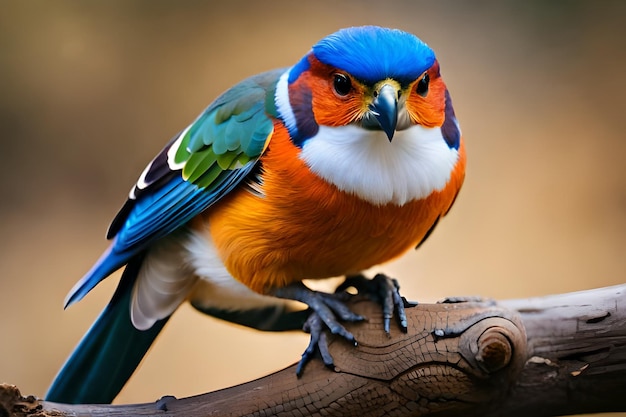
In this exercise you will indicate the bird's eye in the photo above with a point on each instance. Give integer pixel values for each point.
(422, 85)
(342, 84)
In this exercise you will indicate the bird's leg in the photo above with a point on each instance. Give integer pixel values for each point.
(326, 309)
(383, 290)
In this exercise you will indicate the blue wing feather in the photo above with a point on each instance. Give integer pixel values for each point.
(222, 147)
(153, 217)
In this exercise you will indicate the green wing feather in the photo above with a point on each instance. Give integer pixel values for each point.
(198, 167)
(232, 132)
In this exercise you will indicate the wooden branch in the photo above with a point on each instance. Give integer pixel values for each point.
(555, 355)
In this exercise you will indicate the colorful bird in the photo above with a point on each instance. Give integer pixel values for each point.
(341, 162)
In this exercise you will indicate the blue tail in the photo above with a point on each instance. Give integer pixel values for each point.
(108, 354)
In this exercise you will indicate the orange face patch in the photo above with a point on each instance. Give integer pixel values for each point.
(329, 107)
(429, 109)
(332, 108)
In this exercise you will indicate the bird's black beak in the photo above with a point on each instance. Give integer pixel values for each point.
(385, 109)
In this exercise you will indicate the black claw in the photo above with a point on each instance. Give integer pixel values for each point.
(317, 343)
(326, 311)
(324, 353)
(301, 364)
(336, 302)
(385, 291)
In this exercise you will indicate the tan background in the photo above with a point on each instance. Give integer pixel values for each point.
(90, 91)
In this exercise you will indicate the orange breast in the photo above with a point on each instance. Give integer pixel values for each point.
(306, 228)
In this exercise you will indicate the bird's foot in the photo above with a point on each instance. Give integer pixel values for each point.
(327, 310)
(383, 290)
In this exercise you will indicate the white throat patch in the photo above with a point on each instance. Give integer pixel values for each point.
(363, 162)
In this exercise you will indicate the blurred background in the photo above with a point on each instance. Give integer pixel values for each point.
(90, 91)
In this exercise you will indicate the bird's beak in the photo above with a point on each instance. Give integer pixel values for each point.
(385, 109)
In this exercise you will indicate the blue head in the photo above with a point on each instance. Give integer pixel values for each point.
(377, 78)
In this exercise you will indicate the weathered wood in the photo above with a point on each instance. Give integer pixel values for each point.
(577, 351)
(555, 355)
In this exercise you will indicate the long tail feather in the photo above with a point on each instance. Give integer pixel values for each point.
(108, 354)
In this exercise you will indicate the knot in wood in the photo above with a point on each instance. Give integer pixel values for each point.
(494, 345)
(494, 350)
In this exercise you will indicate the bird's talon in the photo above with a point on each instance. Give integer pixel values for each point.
(385, 291)
(324, 353)
(327, 310)
(319, 342)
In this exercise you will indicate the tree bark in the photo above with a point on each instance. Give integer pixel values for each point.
(555, 355)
